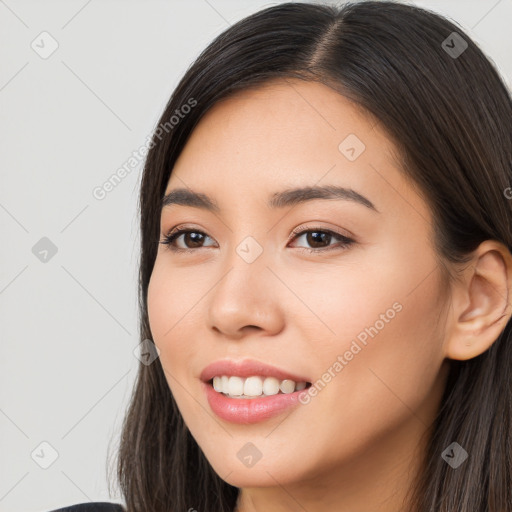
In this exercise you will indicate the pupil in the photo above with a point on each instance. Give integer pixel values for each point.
(196, 238)
(317, 235)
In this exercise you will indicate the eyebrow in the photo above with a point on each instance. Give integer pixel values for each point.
(290, 197)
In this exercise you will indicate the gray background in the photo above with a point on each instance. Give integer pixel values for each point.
(68, 122)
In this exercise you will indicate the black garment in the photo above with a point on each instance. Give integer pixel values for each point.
(93, 506)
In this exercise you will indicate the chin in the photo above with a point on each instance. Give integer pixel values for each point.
(258, 472)
(256, 476)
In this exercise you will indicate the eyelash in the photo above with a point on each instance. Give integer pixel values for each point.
(344, 241)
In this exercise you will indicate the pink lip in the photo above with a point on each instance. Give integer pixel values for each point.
(247, 368)
(248, 410)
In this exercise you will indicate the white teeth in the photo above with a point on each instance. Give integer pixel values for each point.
(271, 386)
(235, 386)
(287, 386)
(217, 384)
(254, 386)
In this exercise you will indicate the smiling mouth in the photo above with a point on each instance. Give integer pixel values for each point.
(255, 387)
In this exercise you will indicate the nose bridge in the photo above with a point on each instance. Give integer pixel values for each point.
(250, 250)
(245, 294)
(246, 264)
(250, 245)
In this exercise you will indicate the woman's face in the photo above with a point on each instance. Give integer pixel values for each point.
(361, 321)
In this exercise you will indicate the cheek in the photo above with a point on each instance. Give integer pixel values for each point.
(390, 365)
(169, 300)
(167, 317)
(170, 328)
(156, 300)
(383, 358)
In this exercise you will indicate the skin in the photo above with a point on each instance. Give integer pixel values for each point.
(358, 444)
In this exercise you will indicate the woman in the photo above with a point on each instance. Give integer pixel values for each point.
(326, 272)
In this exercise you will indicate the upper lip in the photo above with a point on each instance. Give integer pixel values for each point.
(247, 368)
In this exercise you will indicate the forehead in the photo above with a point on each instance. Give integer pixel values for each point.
(289, 133)
(305, 115)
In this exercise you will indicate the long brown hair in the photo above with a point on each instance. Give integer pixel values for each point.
(449, 114)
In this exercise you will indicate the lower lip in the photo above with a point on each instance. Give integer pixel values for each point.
(250, 410)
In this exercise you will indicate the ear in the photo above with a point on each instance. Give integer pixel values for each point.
(481, 302)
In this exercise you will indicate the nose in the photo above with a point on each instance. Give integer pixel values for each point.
(245, 300)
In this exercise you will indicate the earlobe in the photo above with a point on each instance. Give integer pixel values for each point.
(481, 303)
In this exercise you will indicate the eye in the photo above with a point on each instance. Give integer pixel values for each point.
(191, 236)
(315, 236)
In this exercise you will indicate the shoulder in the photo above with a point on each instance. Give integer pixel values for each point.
(94, 506)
